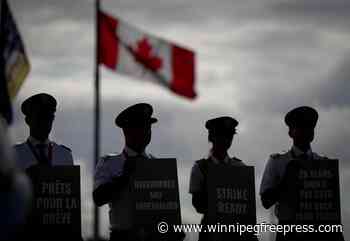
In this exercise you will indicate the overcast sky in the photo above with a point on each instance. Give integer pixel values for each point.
(256, 59)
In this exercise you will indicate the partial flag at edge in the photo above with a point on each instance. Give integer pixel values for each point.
(14, 62)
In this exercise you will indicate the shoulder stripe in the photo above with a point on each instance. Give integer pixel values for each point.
(275, 155)
(65, 147)
(237, 159)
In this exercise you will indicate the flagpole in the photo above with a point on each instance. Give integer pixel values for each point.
(97, 111)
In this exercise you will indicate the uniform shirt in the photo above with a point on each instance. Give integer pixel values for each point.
(276, 167)
(120, 208)
(197, 177)
(59, 154)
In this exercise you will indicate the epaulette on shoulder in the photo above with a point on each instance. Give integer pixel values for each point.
(105, 158)
(18, 144)
(276, 155)
(203, 165)
(108, 156)
(321, 157)
(237, 159)
(65, 147)
(201, 161)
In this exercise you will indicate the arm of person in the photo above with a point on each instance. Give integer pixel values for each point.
(104, 193)
(269, 188)
(200, 202)
(269, 198)
(108, 181)
(198, 190)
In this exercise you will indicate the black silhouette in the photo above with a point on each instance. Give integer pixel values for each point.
(39, 111)
(280, 180)
(221, 133)
(113, 172)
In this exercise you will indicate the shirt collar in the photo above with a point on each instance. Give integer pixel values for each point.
(130, 152)
(217, 161)
(36, 142)
(297, 152)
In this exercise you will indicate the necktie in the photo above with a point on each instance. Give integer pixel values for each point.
(42, 154)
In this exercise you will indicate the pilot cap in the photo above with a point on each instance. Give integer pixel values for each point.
(303, 116)
(136, 115)
(222, 124)
(43, 102)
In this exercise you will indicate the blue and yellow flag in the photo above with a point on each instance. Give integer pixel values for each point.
(14, 62)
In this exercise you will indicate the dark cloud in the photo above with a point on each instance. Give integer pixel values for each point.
(46, 12)
(168, 13)
(324, 91)
(322, 8)
(334, 14)
(334, 91)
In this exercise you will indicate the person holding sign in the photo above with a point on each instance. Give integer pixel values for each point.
(301, 122)
(221, 131)
(113, 172)
(39, 111)
(274, 187)
(39, 153)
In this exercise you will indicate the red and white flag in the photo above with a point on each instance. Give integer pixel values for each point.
(125, 49)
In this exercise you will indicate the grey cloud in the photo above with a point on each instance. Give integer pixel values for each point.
(334, 14)
(277, 38)
(161, 13)
(334, 91)
(44, 12)
(317, 7)
(295, 84)
(172, 13)
(329, 90)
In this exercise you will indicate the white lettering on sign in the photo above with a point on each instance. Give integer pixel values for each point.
(57, 187)
(232, 194)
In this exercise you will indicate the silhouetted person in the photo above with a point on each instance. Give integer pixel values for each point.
(38, 149)
(15, 192)
(112, 175)
(301, 122)
(221, 132)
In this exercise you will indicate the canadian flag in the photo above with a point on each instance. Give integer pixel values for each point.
(127, 50)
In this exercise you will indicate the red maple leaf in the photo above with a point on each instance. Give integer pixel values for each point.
(143, 54)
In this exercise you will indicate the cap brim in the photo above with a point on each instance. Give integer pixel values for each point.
(136, 123)
(153, 120)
